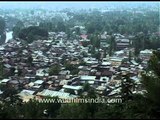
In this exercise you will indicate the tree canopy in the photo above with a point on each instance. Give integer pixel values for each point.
(2, 30)
(32, 33)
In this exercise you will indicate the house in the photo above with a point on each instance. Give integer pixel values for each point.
(100, 89)
(104, 79)
(2, 49)
(64, 72)
(84, 36)
(42, 72)
(8, 66)
(73, 87)
(83, 72)
(76, 89)
(91, 61)
(124, 69)
(63, 82)
(37, 84)
(104, 41)
(29, 78)
(15, 83)
(84, 42)
(115, 81)
(138, 85)
(122, 43)
(26, 95)
(51, 93)
(145, 54)
(119, 36)
(105, 65)
(107, 73)
(119, 53)
(134, 62)
(88, 79)
(96, 73)
(4, 81)
(115, 92)
(116, 61)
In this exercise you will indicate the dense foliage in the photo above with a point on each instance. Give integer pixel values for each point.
(54, 70)
(144, 25)
(2, 31)
(17, 28)
(33, 33)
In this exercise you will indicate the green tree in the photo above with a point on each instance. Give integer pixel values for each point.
(2, 25)
(127, 85)
(1, 68)
(32, 33)
(54, 70)
(61, 27)
(72, 68)
(112, 45)
(17, 28)
(151, 78)
(2, 38)
(138, 43)
(77, 30)
(47, 25)
(2, 30)
(111, 111)
(138, 107)
(71, 111)
(93, 51)
(36, 111)
(86, 87)
(12, 71)
(130, 56)
(151, 82)
(30, 60)
(105, 52)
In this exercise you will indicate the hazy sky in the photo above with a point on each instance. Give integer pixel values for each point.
(66, 4)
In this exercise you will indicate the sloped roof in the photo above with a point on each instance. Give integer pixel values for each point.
(72, 87)
(52, 93)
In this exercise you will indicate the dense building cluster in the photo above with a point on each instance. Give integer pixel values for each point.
(51, 67)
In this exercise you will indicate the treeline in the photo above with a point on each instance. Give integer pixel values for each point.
(29, 34)
(2, 30)
(122, 22)
(119, 21)
(33, 33)
(96, 22)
